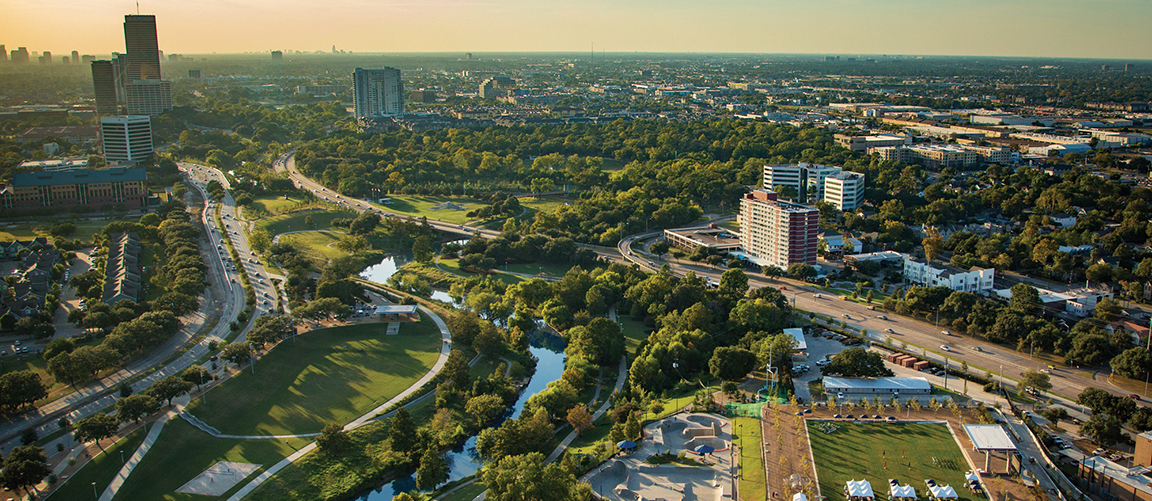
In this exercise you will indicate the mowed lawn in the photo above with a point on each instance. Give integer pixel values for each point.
(182, 452)
(101, 469)
(879, 451)
(325, 376)
(319, 246)
(418, 206)
(296, 221)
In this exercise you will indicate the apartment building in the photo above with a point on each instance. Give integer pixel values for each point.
(774, 232)
(924, 273)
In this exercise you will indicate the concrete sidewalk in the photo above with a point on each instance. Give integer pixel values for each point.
(126, 470)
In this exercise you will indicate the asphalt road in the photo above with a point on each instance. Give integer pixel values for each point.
(999, 360)
(287, 163)
(227, 300)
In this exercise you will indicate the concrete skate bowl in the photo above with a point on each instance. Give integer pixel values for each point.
(614, 477)
(718, 444)
(705, 420)
(676, 482)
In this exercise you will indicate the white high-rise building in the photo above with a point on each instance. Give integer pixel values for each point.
(773, 232)
(845, 190)
(148, 97)
(126, 139)
(806, 179)
(378, 92)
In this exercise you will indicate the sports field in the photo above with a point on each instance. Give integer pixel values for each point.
(877, 452)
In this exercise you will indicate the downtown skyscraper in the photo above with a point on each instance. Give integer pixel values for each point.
(134, 76)
(142, 47)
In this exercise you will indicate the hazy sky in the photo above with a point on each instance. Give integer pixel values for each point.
(1057, 28)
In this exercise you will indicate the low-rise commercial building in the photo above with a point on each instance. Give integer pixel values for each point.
(713, 237)
(861, 386)
(98, 189)
(862, 143)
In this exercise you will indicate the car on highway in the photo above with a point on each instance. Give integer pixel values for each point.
(782, 287)
(889, 330)
(882, 317)
(818, 296)
(849, 317)
(946, 333)
(945, 347)
(1133, 396)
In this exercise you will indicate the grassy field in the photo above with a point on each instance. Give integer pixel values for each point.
(752, 482)
(634, 332)
(418, 206)
(453, 266)
(731, 225)
(182, 452)
(327, 376)
(101, 469)
(321, 220)
(879, 451)
(274, 205)
(321, 476)
(540, 204)
(467, 493)
(319, 246)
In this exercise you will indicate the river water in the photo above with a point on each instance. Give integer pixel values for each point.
(382, 271)
(463, 460)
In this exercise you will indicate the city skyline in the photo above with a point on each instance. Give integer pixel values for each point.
(1017, 28)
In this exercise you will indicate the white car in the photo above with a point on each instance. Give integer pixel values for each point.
(945, 347)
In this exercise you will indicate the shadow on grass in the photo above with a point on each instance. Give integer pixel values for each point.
(327, 376)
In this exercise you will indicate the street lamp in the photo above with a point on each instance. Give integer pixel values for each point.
(94, 491)
(122, 457)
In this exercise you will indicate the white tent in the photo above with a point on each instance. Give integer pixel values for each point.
(859, 489)
(902, 491)
(971, 477)
(943, 492)
(799, 496)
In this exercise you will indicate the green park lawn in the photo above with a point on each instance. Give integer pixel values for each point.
(467, 493)
(634, 332)
(421, 206)
(879, 451)
(326, 376)
(319, 246)
(101, 469)
(295, 221)
(182, 452)
(752, 482)
(453, 266)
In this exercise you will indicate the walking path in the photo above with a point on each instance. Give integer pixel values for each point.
(620, 378)
(126, 470)
(367, 417)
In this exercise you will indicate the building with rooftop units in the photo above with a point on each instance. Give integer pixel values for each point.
(777, 233)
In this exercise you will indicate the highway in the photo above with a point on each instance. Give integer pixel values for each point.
(287, 163)
(227, 300)
(922, 337)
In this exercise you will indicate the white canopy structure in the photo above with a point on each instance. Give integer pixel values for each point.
(799, 496)
(943, 492)
(971, 477)
(858, 489)
(902, 491)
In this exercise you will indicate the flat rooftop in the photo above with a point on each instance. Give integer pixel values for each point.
(708, 237)
(878, 383)
(798, 335)
(989, 437)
